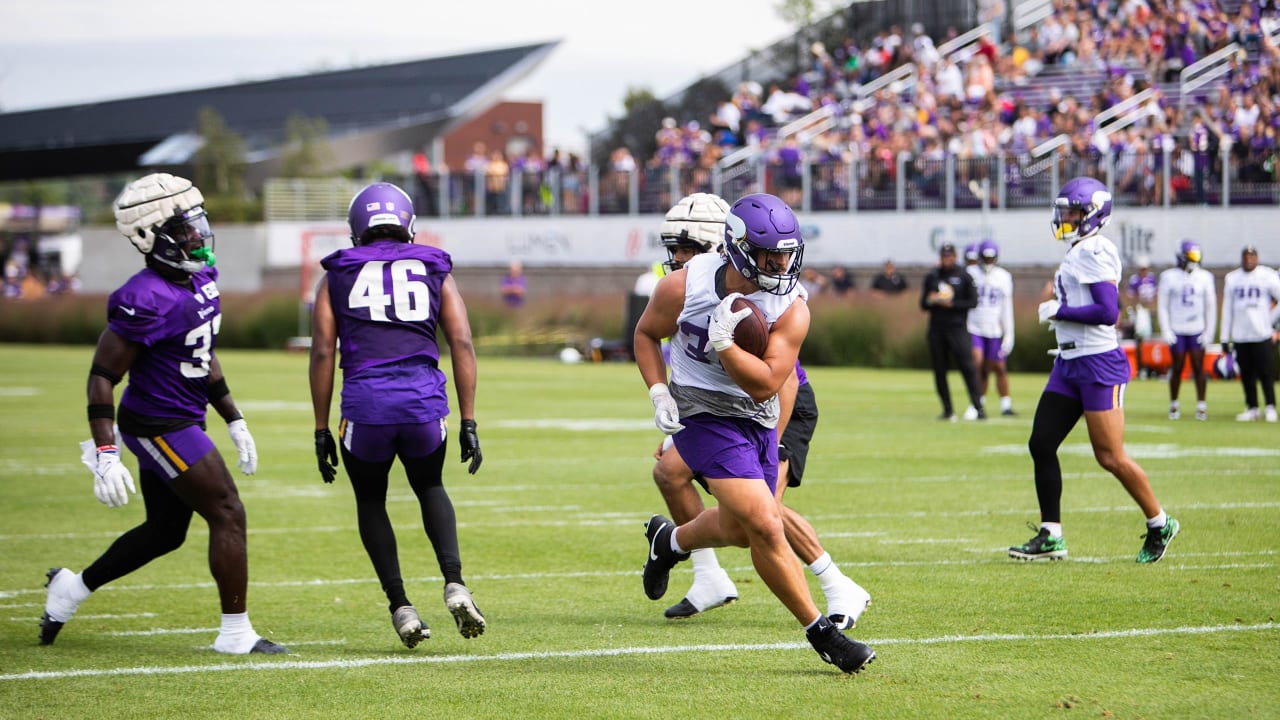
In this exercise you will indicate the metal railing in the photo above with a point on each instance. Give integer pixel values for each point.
(1166, 175)
(1204, 71)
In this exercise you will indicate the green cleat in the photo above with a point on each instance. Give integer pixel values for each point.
(1040, 547)
(1157, 541)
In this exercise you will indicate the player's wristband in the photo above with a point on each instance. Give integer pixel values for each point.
(108, 449)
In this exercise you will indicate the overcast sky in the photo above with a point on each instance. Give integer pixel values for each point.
(56, 52)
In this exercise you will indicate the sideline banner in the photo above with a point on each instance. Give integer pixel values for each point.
(850, 239)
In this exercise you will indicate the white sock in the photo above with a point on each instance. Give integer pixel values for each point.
(1173, 405)
(815, 622)
(1158, 521)
(77, 589)
(1055, 529)
(236, 636)
(1202, 406)
(67, 590)
(675, 546)
(1006, 403)
(705, 562)
(821, 565)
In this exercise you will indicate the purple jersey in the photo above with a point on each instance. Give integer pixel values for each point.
(177, 326)
(386, 303)
(801, 375)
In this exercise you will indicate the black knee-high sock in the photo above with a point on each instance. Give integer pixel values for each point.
(369, 481)
(163, 531)
(1056, 415)
(437, 511)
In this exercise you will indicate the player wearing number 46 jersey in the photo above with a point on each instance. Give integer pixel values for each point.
(385, 299)
(161, 329)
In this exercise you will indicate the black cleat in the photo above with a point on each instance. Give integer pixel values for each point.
(685, 609)
(266, 647)
(657, 568)
(833, 647)
(49, 628)
(1009, 413)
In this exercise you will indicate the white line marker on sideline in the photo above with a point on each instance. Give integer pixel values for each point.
(108, 616)
(611, 652)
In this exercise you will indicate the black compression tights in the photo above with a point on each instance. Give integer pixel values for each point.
(1056, 415)
(369, 481)
(163, 531)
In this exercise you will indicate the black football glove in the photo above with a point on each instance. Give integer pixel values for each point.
(471, 446)
(326, 455)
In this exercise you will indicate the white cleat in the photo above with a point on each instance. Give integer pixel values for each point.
(1270, 413)
(1250, 415)
(457, 598)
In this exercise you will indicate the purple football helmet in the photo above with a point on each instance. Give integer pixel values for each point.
(971, 253)
(384, 207)
(763, 222)
(1188, 253)
(988, 251)
(1089, 197)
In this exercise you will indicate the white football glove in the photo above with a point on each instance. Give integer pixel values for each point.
(110, 477)
(723, 322)
(1048, 309)
(665, 413)
(1006, 345)
(1169, 338)
(239, 432)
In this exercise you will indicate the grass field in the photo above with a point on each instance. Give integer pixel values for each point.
(918, 512)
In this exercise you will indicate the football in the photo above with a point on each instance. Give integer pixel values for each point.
(752, 332)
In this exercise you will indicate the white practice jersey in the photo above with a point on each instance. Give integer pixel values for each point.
(1090, 261)
(993, 316)
(1187, 302)
(1246, 304)
(694, 363)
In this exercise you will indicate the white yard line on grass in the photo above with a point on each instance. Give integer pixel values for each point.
(611, 652)
(993, 557)
(598, 519)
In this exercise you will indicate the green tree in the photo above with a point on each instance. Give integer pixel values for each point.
(219, 163)
(307, 152)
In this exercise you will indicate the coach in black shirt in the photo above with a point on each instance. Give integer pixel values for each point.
(948, 293)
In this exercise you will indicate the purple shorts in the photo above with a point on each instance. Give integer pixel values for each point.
(719, 448)
(990, 348)
(1186, 344)
(1097, 381)
(171, 454)
(379, 443)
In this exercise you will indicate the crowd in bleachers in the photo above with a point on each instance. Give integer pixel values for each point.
(1009, 93)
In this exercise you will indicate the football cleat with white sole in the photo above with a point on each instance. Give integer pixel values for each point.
(409, 626)
(457, 598)
(1250, 415)
(1040, 547)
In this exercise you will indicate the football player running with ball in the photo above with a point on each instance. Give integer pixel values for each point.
(695, 226)
(1089, 375)
(387, 300)
(162, 325)
(722, 407)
